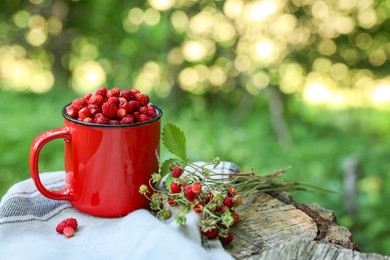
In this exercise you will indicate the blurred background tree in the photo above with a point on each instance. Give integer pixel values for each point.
(263, 83)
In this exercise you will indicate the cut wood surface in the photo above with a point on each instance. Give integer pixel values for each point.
(274, 226)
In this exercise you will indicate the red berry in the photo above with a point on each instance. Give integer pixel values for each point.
(114, 92)
(127, 106)
(189, 193)
(79, 103)
(228, 201)
(88, 120)
(172, 202)
(226, 240)
(135, 105)
(232, 191)
(152, 112)
(143, 118)
(94, 109)
(71, 111)
(143, 110)
(236, 217)
(222, 208)
(196, 187)
(87, 96)
(68, 231)
(176, 171)
(114, 100)
(122, 100)
(136, 115)
(142, 99)
(209, 196)
(114, 122)
(102, 91)
(84, 113)
(211, 233)
(127, 120)
(109, 110)
(127, 94)
(69, 222)
(198, 208)
(238, 200)
(121, 112)
(96, 99)
(134, 91)
(175, 187)
(99, 118)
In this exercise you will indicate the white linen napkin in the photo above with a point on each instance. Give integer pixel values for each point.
(28, 221)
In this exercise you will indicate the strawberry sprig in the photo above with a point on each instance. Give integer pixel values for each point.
(204, 190)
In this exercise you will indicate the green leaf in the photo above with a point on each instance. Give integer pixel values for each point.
(174, 141)
(168, 181)
(165, 166)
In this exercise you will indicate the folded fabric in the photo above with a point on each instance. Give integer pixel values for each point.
(28, 221)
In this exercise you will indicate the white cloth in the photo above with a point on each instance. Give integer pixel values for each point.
(28, 221)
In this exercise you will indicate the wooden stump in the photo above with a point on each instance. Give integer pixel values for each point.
(274, 226)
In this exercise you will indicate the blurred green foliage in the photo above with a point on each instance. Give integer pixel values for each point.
(241, 78)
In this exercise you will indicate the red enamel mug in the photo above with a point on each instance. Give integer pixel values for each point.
(104, 164)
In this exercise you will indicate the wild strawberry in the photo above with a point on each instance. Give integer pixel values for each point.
(79, 103)
(96, 99)
(134, 91)
(114, 100)
(143, 118)
(211, 233)
(196, 187)
(236, 217)
(198, 208)
(126, 120)
(175, 187)
(143, 110)
(114, 92)
(127, 106)
(114, 122)
(135, 105)
(142, 99)
(176, 171)
(94, 109)
(226, 240)
(84, 113)
(87, 96)
(88, 120)
(127, 94)
(136, 115)
(190, 195)
(232, 191)
(69, 222)
(68, 231)
(102, 91)
(172, 202)
(152, 112)
(71, 111)
(121, 112)
(222, 208)
(208, 197)
(237, 200)
(228, 201)
(122, 100)
(99, 118)
(109, 110)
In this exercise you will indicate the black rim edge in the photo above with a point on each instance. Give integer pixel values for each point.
(159, 110)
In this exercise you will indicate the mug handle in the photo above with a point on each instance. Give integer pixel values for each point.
(36, 146)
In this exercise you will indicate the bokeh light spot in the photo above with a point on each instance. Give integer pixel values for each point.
(161, 5)
(88, 76)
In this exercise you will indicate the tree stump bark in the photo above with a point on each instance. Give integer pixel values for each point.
(274, 226)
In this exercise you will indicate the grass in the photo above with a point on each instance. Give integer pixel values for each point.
(321, 140)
